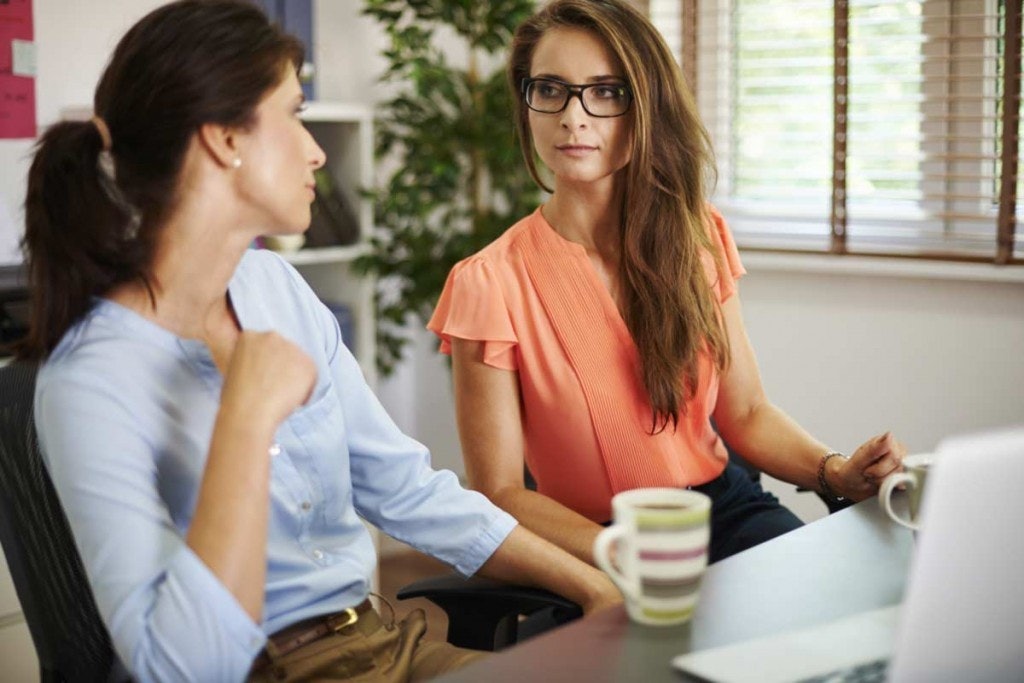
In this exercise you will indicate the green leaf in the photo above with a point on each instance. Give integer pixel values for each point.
(446, 132)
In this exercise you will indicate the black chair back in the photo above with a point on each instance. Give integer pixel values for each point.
(70, 639)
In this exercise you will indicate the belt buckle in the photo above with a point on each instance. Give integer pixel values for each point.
(345, 619)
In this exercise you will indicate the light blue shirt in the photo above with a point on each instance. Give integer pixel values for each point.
(125, 411)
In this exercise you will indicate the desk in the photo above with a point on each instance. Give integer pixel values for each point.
(849, 562)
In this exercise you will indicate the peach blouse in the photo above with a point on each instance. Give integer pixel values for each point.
(541, 310)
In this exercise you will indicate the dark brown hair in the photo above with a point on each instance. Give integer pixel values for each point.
(92, 220)
(669, 306)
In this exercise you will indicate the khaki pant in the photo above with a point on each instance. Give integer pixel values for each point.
(367, 651)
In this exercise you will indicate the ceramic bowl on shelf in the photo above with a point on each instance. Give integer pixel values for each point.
(284, 243)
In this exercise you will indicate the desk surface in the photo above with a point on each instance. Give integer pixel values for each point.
(849, 562)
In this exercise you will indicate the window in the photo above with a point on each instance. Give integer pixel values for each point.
(860, 126)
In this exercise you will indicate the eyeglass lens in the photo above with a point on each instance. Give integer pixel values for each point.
(599, 99)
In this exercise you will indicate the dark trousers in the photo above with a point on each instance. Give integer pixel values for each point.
(743, 514)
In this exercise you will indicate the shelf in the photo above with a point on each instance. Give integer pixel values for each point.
(305, 257)
(336, 112)
(345, 132)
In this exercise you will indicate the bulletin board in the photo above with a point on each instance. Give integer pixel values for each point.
(17, 70)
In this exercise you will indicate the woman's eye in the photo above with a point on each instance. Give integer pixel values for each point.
(610, 92)
(549, 90)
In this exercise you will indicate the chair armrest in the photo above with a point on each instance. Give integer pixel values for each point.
(483, 614)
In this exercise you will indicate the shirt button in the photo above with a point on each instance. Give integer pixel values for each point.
(306, 505)
(275, 449)
(318, 554)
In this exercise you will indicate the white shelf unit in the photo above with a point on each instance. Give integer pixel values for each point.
(345, 132)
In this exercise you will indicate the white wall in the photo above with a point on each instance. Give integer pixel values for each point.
(73, 40)
(850, 355)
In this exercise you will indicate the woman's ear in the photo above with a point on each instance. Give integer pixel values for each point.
(221, 143)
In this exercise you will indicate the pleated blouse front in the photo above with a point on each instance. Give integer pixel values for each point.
(493, 297)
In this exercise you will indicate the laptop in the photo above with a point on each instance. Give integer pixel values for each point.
(962, 617)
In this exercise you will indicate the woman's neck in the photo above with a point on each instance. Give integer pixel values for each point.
(587, 215)
(196, 254)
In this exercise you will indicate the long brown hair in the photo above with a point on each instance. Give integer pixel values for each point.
(669, 307)
(92, 218)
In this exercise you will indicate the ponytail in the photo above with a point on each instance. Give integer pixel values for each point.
(88, 228)
(78, 236)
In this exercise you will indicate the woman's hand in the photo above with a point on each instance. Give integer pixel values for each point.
(268, 377)
(859, 476)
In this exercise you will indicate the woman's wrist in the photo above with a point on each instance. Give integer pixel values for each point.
(599, 593)
(829, 479)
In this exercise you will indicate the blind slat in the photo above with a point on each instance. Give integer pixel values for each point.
(921, 92)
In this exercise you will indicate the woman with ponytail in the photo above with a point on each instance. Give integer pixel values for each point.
(598, 337)
(212, 441)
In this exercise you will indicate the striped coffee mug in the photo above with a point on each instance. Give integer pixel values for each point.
(660, 537)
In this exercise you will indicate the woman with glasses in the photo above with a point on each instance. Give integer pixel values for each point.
(596, 340)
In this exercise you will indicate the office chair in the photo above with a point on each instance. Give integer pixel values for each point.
(71, 641)
(512, 614)
(484, 614)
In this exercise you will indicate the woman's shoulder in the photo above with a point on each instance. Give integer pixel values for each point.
(264, 279)
(111, 356)
(504, 254)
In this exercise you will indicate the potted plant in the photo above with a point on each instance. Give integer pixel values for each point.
(459, 181)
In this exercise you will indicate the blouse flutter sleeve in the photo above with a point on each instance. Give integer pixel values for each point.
(725, 279)
(473, 307)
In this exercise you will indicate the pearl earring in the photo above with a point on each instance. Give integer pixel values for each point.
(236, 163)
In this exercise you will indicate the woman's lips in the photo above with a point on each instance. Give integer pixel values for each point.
(575, 150)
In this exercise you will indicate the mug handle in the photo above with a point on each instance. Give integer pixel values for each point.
(602, 544)
(885, 496)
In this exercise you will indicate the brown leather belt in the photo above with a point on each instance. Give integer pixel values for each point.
(293, 637)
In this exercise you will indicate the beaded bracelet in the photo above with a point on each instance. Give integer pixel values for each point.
(826, 490)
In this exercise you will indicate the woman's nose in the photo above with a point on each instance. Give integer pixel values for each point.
(317, 157)
(574, 115)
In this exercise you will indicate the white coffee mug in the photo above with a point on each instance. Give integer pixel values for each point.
(913, 476)
(661, 537)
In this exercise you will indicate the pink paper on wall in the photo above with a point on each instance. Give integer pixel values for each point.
(17, 92)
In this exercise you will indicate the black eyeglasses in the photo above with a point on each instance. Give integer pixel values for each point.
(603, 100)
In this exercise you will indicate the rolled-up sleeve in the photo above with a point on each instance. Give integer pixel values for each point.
(395, 488)
(169, 617)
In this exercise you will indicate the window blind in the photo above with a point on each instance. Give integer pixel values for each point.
(860, 126)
